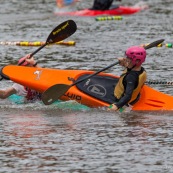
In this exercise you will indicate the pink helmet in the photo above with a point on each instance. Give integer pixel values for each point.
(25, 63)
(136, 53)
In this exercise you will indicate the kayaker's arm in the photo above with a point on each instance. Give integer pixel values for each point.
(7, 92)
(127, 95)
(28, 61)
(131, 84)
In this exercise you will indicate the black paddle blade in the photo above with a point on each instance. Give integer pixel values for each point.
(154, 44)
(62, 31)
(53, 93)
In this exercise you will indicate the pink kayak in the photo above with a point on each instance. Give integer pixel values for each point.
(121, 10)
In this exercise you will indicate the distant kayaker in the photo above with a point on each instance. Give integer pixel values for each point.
(102, 4)
(63, 3)
(127, 90)
(29, 94)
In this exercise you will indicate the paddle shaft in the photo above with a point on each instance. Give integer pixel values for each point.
(154, 44)
(94, 74)
(32, 54)
(41, 47)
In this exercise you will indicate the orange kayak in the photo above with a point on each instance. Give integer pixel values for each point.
(94, 92)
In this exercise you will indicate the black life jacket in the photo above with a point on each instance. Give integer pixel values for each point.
(102, 4)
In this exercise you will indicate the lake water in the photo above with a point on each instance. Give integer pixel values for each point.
(71, 138)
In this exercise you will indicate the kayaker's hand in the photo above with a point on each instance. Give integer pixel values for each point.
(30, 61)
(112, 107)
(123, 62)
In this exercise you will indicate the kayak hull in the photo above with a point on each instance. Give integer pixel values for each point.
(94, 92)
(121, 10)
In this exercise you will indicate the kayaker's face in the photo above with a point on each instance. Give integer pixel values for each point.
(129, 62)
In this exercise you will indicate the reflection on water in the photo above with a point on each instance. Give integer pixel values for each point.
(41, 141)
(69, 137)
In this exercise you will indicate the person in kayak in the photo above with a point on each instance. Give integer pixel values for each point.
(102, 4)
(127, 90)
(29, 94)
(63, 3)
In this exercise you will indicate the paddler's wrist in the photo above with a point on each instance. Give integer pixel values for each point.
(113, 107)
(122, 61)
(35, 64)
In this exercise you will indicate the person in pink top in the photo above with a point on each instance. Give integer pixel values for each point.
(63, 3)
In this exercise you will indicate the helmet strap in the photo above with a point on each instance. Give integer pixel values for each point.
(129, 69)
